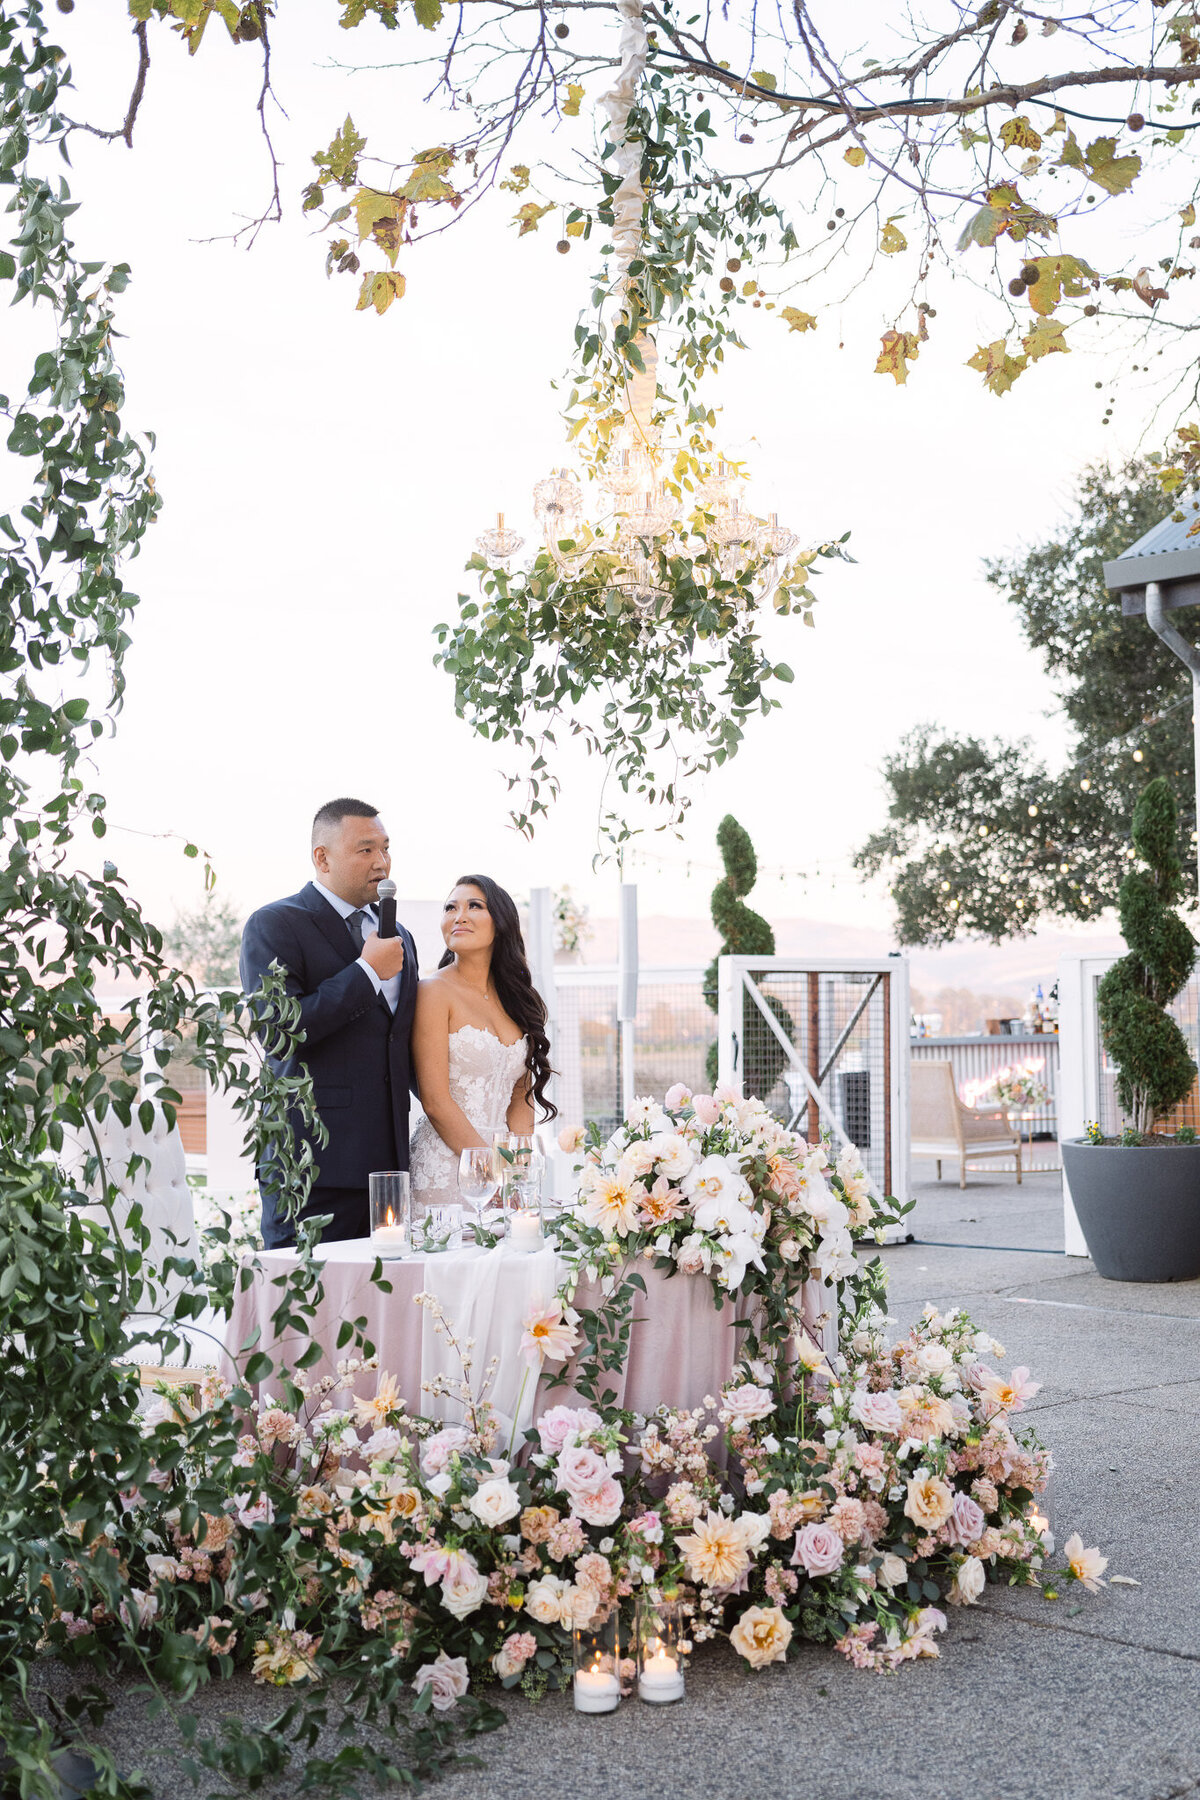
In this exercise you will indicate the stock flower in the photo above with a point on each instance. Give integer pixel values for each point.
(448, 1677)
(495, 1502)
(276, 1426)
(715, 1551)
(762, 1636)
(819, 1549)
(612, 1205)
(548, 1335)
(928, 1502)
(1085, 1565)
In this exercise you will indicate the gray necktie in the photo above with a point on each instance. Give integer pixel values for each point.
(359, 923)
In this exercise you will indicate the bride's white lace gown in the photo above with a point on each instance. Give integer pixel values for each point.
(483, 1074)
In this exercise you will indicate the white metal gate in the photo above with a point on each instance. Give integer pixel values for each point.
(825, 1043)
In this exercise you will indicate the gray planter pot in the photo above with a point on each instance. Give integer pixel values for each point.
(1139, 1208)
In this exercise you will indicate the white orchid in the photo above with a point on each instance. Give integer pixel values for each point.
(735, 1252)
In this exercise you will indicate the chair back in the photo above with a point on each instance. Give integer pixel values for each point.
(933, 1102)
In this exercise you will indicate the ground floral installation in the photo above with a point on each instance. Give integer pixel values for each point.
(838, 1498)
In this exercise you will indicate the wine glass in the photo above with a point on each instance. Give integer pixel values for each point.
(476, 1177)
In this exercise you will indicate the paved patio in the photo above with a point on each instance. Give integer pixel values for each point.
(1083, 1698)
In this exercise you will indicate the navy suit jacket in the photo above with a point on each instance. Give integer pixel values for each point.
(354, 1047)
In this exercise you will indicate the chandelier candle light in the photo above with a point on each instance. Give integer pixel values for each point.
(629, 543)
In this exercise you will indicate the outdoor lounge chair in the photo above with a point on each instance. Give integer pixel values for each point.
(943, 1127)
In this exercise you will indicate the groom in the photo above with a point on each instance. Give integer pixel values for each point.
(357, 992)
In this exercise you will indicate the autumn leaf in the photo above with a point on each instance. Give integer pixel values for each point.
(571, 103)
(529, 216)
(1047, 335)
(1111, 172)
(428, 13)
(1019, 134)
(339, 163)
(1058, 277)
(891, 238)
(1144, 288)
(856, 156)
(576, 227)
(764, 79)
(997, 367)
(370, 206)
(517, 179)
(1188, 215)
(428, 179)
(797, 320)
(899, 349)
(388, 234)
(379, 290)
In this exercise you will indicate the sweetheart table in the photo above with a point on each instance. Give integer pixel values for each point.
(681, 1348)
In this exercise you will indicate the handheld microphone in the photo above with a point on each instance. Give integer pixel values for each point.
(387, 909)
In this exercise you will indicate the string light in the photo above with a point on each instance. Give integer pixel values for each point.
(1137, 756)
(1085, 784)
(1032, 811)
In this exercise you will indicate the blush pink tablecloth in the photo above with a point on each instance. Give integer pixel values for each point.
(681, 1348)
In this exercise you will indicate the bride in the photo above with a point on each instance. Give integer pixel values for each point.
(480, 1051)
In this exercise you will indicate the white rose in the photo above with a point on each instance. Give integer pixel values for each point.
(543, 1600)
(465, 1592)
(934, 1359)
(969, 1582)
(893, 1571)
(637, 1161)
(495, 1502)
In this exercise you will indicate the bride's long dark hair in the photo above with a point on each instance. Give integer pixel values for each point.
(514, 984)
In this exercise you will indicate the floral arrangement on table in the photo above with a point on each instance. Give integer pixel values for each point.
(1016, 1087)
(441, 1559)
(844, 1497)
(713, 1185)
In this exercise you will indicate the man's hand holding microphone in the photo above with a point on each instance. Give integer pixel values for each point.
(383, 949)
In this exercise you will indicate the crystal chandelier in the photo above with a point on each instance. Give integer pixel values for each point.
(628, 545)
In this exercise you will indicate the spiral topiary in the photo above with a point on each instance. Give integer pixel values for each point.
(1154, 1069)
(744, 933)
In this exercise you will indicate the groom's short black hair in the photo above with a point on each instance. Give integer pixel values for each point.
(334, 811)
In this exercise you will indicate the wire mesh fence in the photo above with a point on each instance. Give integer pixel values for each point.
(1185, 1010)
(839, 1025)
(672, 1036)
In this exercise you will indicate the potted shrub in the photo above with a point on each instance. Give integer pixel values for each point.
(1138, 1196)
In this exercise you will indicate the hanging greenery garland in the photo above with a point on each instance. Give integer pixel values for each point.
(640, 632)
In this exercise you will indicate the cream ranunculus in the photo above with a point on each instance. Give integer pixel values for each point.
(495, 1502)
(762, 1636)
(929, 1502)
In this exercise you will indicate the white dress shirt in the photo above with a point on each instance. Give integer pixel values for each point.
(390, 989)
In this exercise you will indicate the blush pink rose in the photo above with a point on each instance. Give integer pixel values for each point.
(878, 1412)
(819, 1549)
(556, 1426)
(601, 1505)
(966, 1522)
(438, 1449)
(706, 1109)
(581, 1471)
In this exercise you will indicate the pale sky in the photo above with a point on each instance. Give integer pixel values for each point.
(325, 472)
